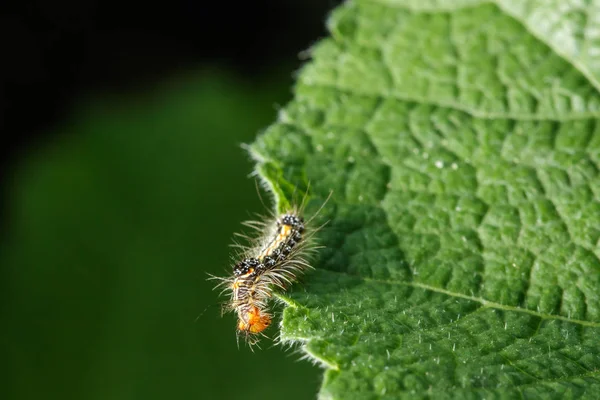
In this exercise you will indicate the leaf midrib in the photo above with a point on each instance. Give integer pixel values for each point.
(447, 105)
(482, 301)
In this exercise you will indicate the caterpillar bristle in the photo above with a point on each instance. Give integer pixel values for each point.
(273, 260)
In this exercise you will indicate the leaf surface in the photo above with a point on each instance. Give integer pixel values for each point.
(462, 145)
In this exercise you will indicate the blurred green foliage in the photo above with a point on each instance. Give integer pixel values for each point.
(114, 223)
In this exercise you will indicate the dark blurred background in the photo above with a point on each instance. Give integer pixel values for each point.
(122, 181)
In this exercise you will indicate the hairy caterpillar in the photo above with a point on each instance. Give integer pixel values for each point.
(272, 261)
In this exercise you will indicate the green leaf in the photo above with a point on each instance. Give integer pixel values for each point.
(462, 144)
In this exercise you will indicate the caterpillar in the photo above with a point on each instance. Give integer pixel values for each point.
(271, 261)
